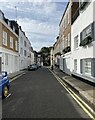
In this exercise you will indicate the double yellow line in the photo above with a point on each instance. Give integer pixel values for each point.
(90, 112)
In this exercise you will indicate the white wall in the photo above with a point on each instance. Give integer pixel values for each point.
(85, 18)
(13, 61)
(24, 61)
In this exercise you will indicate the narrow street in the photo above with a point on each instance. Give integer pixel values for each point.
(37, 94)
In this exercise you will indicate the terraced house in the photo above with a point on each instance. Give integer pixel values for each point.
(83, 41)
(9, 58)
(65, 39)
(24, 50)
(77, 39)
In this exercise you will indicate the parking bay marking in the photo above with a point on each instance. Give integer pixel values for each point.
(81, 103)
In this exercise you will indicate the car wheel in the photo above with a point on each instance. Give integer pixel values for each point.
(5, 92)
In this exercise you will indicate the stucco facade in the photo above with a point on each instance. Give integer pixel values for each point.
(83, 57)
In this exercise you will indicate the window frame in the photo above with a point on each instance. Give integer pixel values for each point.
(4, 42)
(76, 42)
(87, 68)
(11, 42)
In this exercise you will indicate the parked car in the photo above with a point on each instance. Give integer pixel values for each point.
(33, 67)
(39, 65)
(4, 84)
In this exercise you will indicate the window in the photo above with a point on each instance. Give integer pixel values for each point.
(63, 41)
(83, 4)
(66, 40)
(24, 52)
(76, 42)
(16, 47)
(6, 59)
(87, 66)
(69, 39)
(25, 43)
(11, 42)
(68, 16)
(86, 32)
(75, 65)
(4, 38)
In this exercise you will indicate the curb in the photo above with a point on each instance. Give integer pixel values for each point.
(16, 75)
(79, 92)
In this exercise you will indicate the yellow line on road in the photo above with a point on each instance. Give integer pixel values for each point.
(16, 77)
(82, 104)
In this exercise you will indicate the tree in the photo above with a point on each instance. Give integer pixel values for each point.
(45, 53)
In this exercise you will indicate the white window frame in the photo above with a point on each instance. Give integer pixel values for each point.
(75, 65)
(87, 32)
(76, 42)
(4, 38)
(11, 42)
(25, 54)
(87, 67)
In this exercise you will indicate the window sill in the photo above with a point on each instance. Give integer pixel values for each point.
(76, 49)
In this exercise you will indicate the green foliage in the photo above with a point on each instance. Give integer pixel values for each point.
(45, 53)
(67, 49)
(58, 53)
(86, 41)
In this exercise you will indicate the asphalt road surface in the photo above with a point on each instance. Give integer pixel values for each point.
(37, 94)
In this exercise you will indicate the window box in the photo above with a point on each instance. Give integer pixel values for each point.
(58, 53)
(86, 41)
(67, 49)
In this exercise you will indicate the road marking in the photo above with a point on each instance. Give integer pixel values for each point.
(16, 77)
(8, 95)
(82, 104)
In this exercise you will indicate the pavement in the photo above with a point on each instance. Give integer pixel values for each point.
(86, 90)
(15, 74)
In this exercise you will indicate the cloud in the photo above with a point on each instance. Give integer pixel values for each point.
(33, 1)
(39, 19)
(37, 27)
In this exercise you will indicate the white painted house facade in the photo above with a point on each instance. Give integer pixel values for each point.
(83, 29)
(24, 50)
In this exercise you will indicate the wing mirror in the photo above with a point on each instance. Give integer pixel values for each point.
(4, 74)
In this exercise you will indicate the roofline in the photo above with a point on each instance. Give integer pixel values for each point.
(64, 13)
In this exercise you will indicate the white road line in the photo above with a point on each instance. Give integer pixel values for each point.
(8, 95)
(16, 77)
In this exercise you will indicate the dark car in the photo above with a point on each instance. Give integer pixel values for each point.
(4, 84)
(33, 67)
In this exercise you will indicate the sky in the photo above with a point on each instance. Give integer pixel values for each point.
(39, 19)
